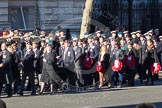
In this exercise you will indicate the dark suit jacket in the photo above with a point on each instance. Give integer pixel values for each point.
(41, 50)
(69, 57)
(2, 74)
(56, 46)
(15, 59)
(150, 57)
(143, 46)
(50, 60)
(78, 58)
(61, 51)
(6, 61)
(93, 52)
(37, 55)
(117, 53)
(28, 62)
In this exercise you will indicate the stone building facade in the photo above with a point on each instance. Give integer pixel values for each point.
(50, 13)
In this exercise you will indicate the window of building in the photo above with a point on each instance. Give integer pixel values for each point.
(21, 17)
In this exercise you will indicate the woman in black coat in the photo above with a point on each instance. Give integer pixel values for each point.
(48, 72)
(14, 65)
(149, 58)
(130, 65)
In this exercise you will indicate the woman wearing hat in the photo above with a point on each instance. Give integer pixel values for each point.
(49, 75)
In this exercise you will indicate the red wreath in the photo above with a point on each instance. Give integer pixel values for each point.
(88, 62)
(129, 61)
(117, 66)
(100, 67)
(155, 68)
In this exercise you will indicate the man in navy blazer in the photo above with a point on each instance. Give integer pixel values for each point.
(78, 63)
(28, 68)
(68, 61)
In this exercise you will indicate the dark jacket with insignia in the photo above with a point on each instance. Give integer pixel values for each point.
(6, 69)
(28, 61)
(78, 57)
(37, 55)
(68, 57)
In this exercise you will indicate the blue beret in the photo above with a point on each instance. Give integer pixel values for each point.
(57, 31)
(50, 43)
(103, 34)
(119, 33)
(74, 35)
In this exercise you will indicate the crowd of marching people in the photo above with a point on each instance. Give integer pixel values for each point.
(97, 59)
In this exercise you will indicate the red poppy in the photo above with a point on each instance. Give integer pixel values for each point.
(117, 66)
(155, 68)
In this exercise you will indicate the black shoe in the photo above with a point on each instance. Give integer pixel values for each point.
(40, 93)
(51, 93)
(20, 93)
(14, 92)
(9, 96)
(152, 83)
(33, 94)
(141, 82)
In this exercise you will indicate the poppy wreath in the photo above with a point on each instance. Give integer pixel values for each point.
(100, 67)
(117, 66)
(129, 61)
(155, 68)
(88, 62)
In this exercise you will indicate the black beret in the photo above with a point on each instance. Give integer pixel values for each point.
(85, 41)
(29, 42)
(8, 44)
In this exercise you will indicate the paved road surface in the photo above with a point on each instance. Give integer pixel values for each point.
(126, 97)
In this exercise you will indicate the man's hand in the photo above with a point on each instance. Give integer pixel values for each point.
(58, 57)
(44, 60)
(1, 65)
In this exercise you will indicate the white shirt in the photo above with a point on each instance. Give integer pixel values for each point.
(102, 57)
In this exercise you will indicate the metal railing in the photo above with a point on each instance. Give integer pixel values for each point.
(145, 14)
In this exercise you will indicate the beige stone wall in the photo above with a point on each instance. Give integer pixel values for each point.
(21, 2)
(4, 10)
(66, 13)
(4, 14)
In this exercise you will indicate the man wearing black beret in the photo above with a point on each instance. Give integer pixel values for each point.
(28, 68)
